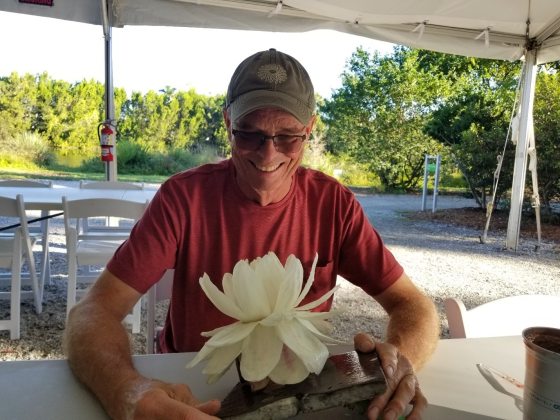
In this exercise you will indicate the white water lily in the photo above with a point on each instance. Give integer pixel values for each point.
(273, 337)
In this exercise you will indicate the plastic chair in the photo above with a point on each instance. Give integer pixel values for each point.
(96, 248)
(159, 291)
(14, 246)
(39, 232)
(106, 224)
(502, 317)
(111, 185)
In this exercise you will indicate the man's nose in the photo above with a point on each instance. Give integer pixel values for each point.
(268, 147)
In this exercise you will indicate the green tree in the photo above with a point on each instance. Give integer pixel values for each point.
(84, 115)
(546, 117)
(54, 108)
(17, 104)
(473, 119)
(378, 115)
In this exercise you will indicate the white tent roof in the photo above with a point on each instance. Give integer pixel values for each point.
(482, 28)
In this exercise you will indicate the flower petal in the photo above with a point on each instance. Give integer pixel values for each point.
(324, 338)
(230, 334)
(314, 315)
(222, 336)
(222, 358)
(227, 286)
(261, 352)
(317, 302)
(271, 273)
(290, 288)
(219, 299)
(309, 282)
(250, 293)
(303, 342)
(203, 354)
(289, 370)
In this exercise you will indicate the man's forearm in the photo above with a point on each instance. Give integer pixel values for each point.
(98, 351)
(414, 329)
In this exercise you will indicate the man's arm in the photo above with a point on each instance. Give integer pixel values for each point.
(412, 336)
(413, 321)
(98, 350)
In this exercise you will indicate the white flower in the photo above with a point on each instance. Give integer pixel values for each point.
(274, 337)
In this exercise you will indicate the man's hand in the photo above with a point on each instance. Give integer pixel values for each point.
(152, 399)
(402, 385)
(98, 352)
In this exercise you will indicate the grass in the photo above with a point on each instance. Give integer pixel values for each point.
(136, 165)
(71, 174)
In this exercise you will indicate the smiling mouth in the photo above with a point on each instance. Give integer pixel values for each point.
(269, 168)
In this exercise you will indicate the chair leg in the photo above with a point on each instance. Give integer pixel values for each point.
(45, 273)
(150, 321)
(45, 256)
(72, 282)
(15, 297)
(35, 286)
(37, 297)
(135, 318)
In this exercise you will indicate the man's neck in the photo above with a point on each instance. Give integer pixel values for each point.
(264, 197)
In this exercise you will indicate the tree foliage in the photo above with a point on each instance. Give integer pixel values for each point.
(546, 116)
(473, 120)
(67, 115)
(378, 115)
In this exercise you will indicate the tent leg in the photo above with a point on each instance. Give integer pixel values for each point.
(521, 151)
(110, 167)
(535, 199)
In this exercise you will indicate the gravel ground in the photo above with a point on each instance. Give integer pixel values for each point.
(442, 259)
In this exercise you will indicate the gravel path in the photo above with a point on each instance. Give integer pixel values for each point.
(443, 260)
(447, 261)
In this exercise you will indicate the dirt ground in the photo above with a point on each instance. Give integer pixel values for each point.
(476, 218)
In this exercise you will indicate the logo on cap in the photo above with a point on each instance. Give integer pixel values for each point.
(272, 73)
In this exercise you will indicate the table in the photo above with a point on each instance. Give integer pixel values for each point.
(50, 199)
(455, 389)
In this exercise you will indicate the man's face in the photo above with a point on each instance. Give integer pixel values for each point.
(265, 174)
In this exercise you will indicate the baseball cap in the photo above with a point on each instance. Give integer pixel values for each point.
(271, 79)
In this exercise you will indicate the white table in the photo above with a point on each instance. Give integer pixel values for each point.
(451, 382)
(51, 198)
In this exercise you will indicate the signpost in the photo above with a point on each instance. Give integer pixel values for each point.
(431, 166)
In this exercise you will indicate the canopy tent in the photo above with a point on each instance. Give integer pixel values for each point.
(499, 29)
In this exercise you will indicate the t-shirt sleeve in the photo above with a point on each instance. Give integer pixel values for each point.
(152, 246)
(365, 260)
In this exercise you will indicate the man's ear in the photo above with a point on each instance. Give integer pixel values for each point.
(310, 125)
(227, 120)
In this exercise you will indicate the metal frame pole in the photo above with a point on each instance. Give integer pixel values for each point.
(107, 5)
(436, 183)
(425, 186)
(521, 150)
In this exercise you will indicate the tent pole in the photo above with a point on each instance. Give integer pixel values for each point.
(110, 167)
(522, 148)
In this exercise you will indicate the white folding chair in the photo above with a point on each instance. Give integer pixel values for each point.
(502, 317)
(14, 245)
(39, 232)
(159, 291)
(111, 185)
(95, 248)
(106, 224)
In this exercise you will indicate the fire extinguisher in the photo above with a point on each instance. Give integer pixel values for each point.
(107, 133)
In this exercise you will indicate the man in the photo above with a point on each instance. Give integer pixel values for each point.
(206, 219)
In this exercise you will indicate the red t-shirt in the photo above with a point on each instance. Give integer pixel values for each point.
(200, 222)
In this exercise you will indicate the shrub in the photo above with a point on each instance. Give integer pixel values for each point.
(25, 149)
